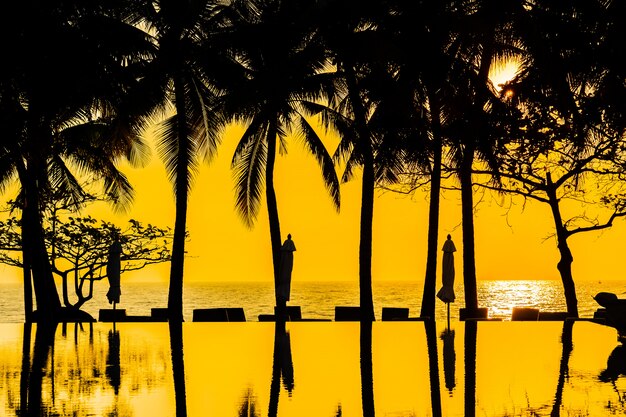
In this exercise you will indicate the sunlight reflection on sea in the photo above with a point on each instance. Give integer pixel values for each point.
(318, 299)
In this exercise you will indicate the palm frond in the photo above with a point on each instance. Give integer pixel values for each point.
(8, 172)
(172, 150)
(314, 144)
(249, 168)
(256, 128)
(333, 119)
(64, 183)
(351, 164)
(206, 123)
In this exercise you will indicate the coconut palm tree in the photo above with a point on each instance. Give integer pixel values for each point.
(426, 60)
(433, 39)
(347, 38)
(485, 39)
(282, 69)
(64, 120)
(179, 80)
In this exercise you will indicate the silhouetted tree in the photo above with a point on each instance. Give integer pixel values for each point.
(64, 119)
(78, 249)
(282, 68)
(486, 40)
(368, 119)
(425, 54)
(567, 137)
(178, 74)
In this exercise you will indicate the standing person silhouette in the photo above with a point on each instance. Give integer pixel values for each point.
(283, 289)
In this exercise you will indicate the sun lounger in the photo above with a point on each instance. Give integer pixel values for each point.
(347, 313)
(395, 313)
(220, 314)
(524, 314)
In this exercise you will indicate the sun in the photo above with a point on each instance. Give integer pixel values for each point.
(500, 74)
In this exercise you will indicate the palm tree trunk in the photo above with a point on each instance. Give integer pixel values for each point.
(272, 206)
(364, 146)
(34, 247)
(565, 263)
(430, 280)
(365, 244)
(175, 295)
(467, 210)
(28, 281)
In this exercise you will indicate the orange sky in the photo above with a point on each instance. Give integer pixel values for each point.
(510, 244)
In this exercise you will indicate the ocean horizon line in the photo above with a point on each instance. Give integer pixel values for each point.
(459, 281)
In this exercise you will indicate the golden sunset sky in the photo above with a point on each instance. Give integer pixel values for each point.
(511, 243)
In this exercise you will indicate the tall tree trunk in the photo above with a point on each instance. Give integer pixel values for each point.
(467, 210)
(364, 146)
(34, 247)
(565, 263)
(175, 295)
(272, 206)
(28, 282)
(26, 269)
(430, 279)
(366, 295)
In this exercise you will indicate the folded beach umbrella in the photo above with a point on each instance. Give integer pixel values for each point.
(283, 289)
(446, 293)
(113, 270)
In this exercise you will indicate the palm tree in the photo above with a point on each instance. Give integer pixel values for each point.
(433, 39)
(282, 69)
(485, 39)
(179, 75)
(425, 55)
(357, 52)
(63, 109)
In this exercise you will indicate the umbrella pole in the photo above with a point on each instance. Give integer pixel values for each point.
(114, 304)
(448, 304)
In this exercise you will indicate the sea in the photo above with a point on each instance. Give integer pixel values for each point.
(318, 299)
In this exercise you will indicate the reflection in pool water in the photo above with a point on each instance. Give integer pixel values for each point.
(312, 369)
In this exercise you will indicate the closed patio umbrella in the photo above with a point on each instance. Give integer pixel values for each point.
(446, 293)
(113, 271)
(283, 289)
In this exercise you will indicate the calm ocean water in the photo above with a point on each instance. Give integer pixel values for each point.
(318, 299)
